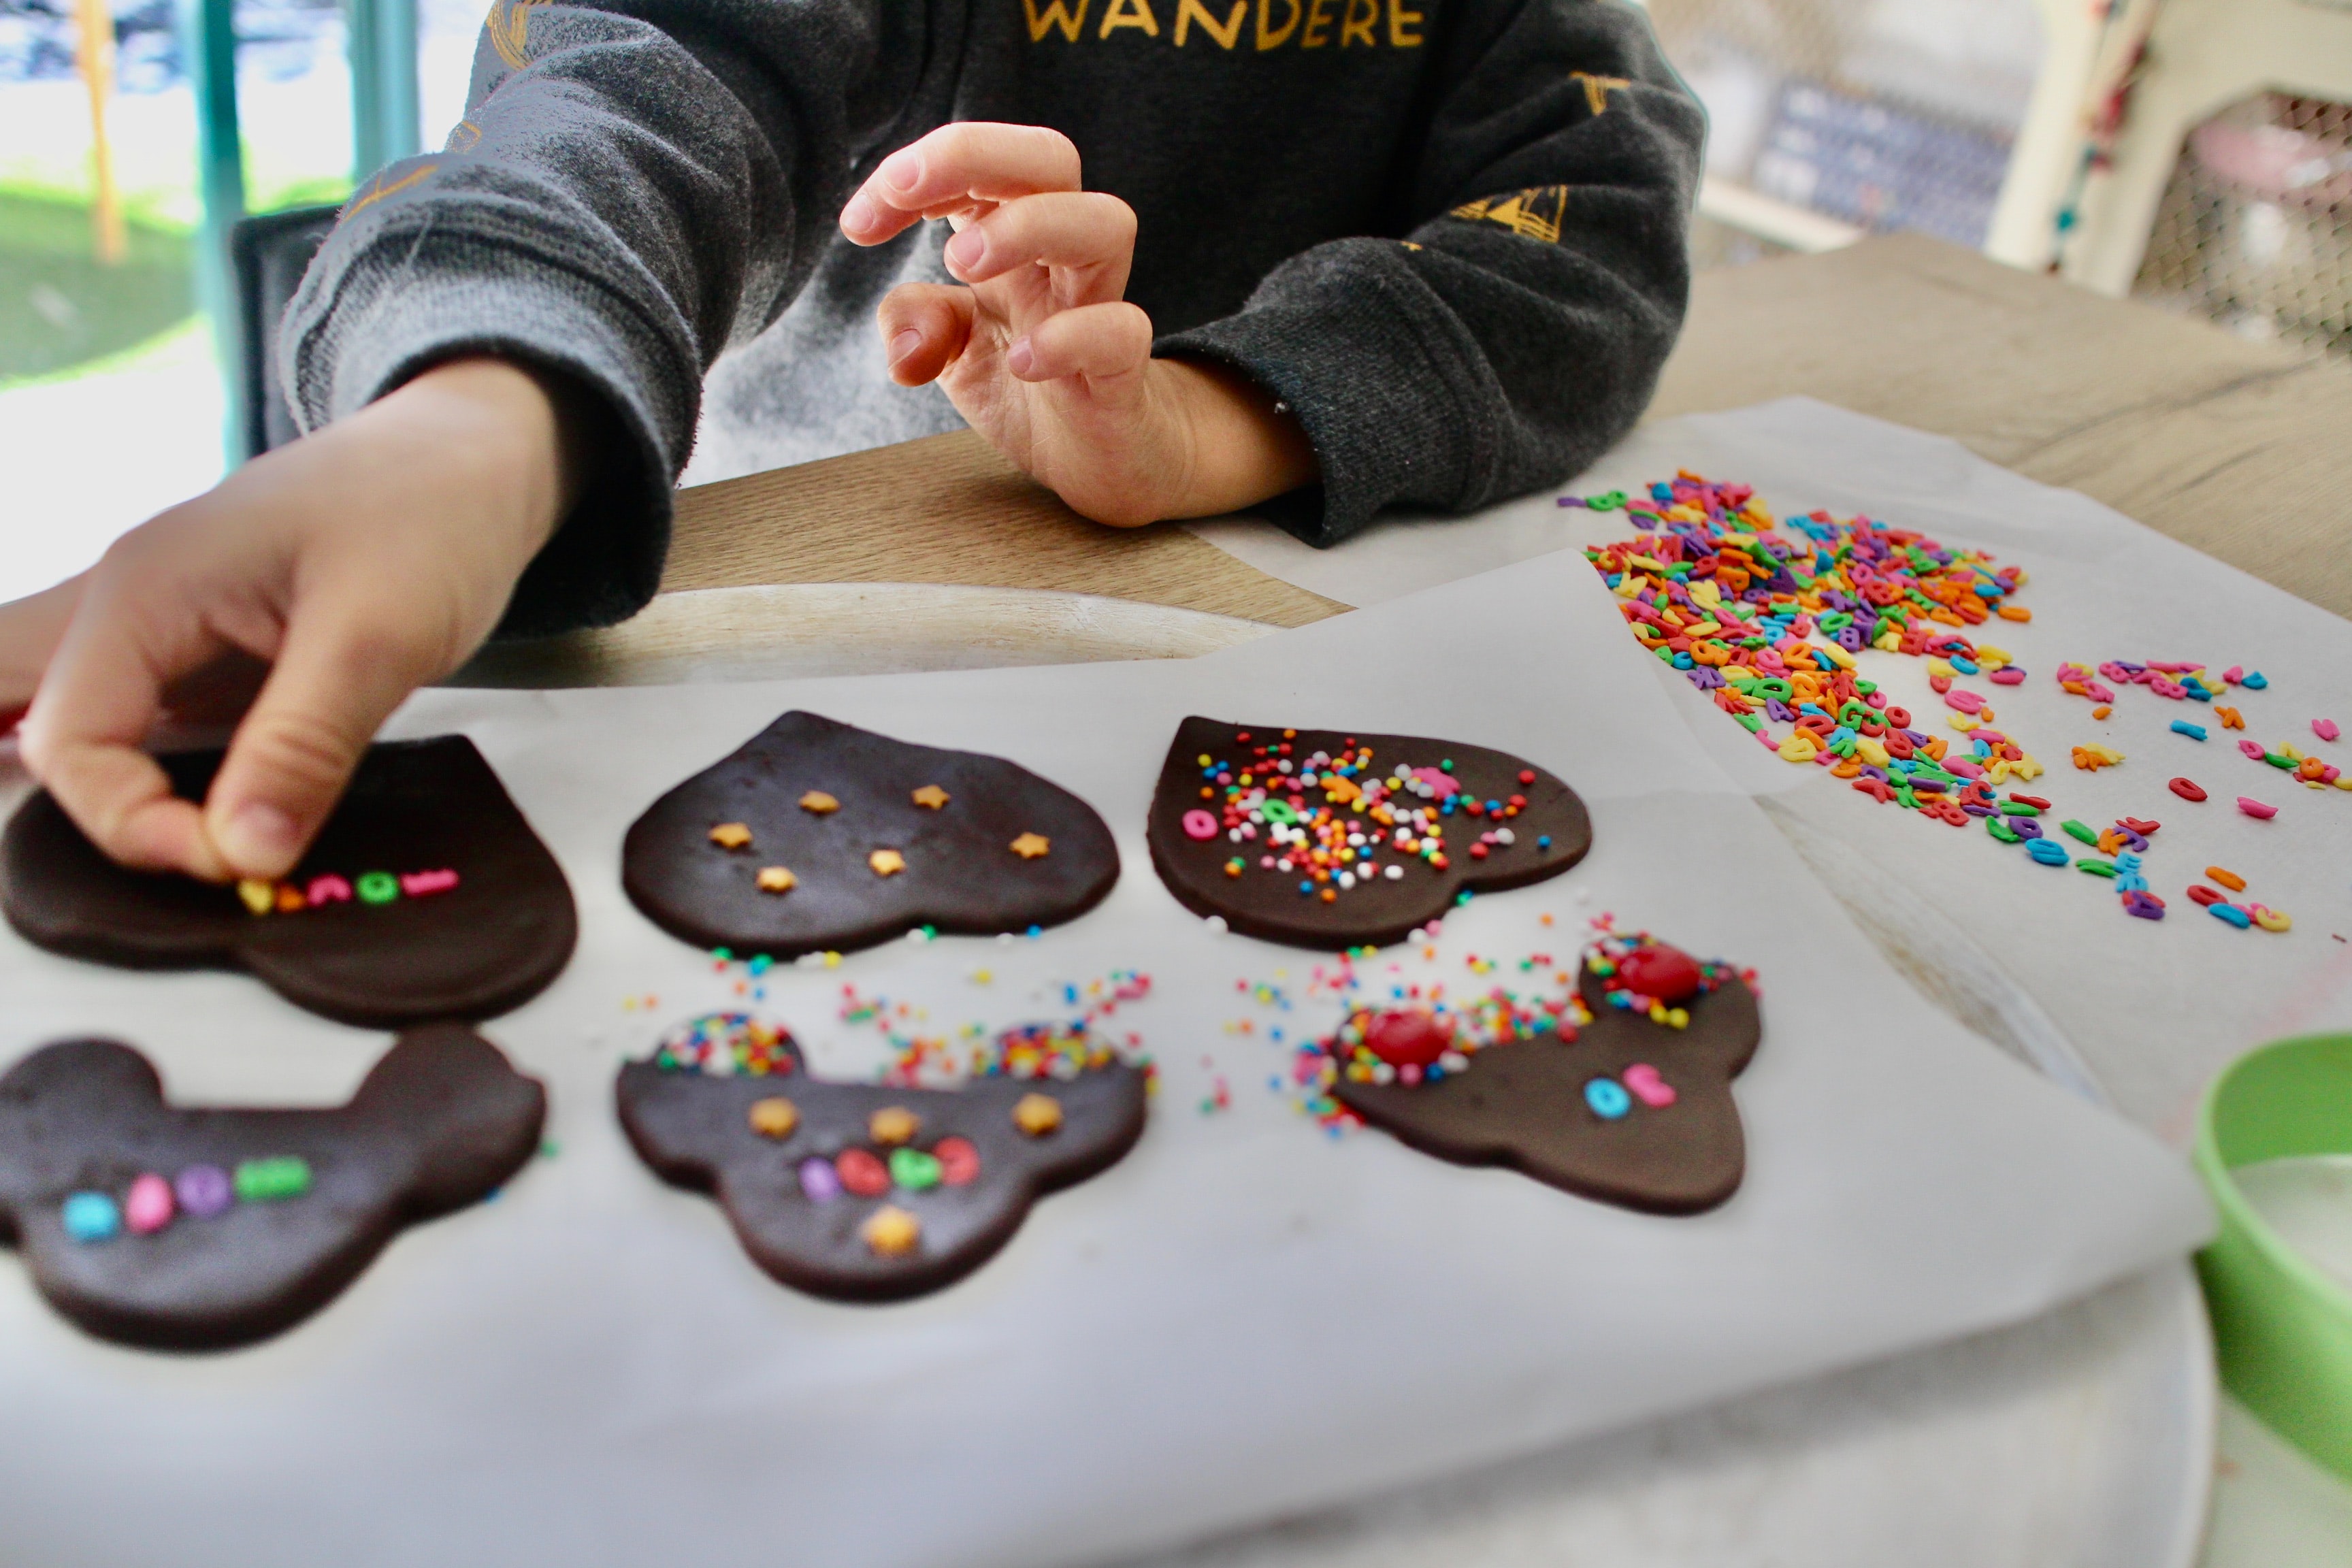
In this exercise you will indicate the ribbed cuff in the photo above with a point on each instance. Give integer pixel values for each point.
(1390, 389)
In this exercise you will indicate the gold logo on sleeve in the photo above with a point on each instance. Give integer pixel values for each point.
(1536, 213)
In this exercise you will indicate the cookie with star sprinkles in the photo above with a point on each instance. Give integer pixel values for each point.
(862, 1192)
(820, 836)
(203, 1228)
(1625, 1095)
(427, 895)
(1326, 838)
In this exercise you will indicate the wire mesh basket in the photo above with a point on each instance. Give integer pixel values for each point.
(1885, 114)
(2255, 227)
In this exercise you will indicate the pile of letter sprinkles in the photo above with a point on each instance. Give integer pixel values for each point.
(1769, 621)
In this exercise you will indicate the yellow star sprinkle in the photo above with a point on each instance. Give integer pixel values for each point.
(1037, 1114)
(886, 862)
(893, 1125)
(816, 803)
(774, 1116)
(892, 1232)
(731, 835)
(1030, 846)
(777, 879)
(932, 797)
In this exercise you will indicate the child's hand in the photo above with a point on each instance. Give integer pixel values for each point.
(350, 567)
(1042, 354)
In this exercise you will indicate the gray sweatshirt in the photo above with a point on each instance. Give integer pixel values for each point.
(1448, 234)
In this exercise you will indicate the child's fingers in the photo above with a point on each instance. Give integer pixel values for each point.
(924, 327)
(345, 665)
(1097, 342)
(30, 628)
(958, 168)
(128, 638)
(1086, 236)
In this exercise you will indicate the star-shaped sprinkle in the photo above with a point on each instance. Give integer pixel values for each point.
(1030, 846)
(931, 798)
(893, 1125)
(731, 835)
(774, 1116)
(886, 862)
(891, 1232)
(1037, 1114)
(816, 803)
(777, 879)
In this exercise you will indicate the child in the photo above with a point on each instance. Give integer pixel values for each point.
(1325, 256)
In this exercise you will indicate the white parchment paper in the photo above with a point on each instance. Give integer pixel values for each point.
(1243, 1317)
(2156, 1009)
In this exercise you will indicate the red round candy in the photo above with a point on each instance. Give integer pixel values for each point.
(861, 1172)
(1669, 974)
(959, 1162)
(1407, 1040)
(2201, 894)
(2184, 789)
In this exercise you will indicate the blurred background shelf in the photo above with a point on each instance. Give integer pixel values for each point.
(2197, 153)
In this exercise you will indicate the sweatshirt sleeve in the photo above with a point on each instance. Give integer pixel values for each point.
(1518, 327)
(637, 185)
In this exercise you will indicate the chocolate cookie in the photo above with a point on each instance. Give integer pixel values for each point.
(201, 1229)
(1327, 839)
(818, 835)
(425, 895)
(863, 1192)
(1636, 1109)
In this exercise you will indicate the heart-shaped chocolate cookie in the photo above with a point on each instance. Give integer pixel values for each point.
(1330, 839)
(867, 1192)
(817, 836)
(425, 895)
(1634, 1108)
(205, 1228)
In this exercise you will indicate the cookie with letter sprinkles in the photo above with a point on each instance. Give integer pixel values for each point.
(200, 1229)
(1326, 838)
(425, 895)
(863, 1192)
(1620, 1091)
(819, 837)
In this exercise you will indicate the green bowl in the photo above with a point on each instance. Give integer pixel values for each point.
(2283, 1328)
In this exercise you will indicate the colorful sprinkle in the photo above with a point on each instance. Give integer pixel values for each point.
(724, 1044)
(1037, 1115)
(90, 1217)
(1608, 1098)
(149, 1206)
(819, 1181)
(2254, 807)
(205, 1191)
(266, 1180)
(2183, 727)
(891, 1232)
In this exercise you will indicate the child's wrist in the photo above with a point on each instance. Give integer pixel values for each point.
(1247, 445)
(532, 433)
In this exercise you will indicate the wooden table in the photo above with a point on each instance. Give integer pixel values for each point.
(2239, 449)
